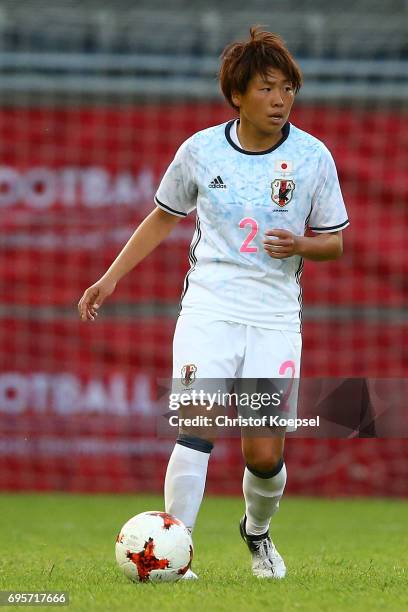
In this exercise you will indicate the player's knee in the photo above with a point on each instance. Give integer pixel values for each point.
(265, 465)
(263, 455)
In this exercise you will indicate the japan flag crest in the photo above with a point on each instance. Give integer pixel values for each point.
(282, 191)
(188, 374)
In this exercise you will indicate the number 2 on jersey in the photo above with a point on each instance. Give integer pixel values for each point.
(245, 248)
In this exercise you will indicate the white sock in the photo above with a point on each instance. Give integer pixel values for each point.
(262, 497)
(185, 482)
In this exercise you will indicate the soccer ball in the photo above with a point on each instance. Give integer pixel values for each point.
(154, 547)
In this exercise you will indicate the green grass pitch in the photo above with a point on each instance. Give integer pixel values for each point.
(341, 555)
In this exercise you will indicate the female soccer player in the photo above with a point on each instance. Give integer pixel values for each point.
(257, 183)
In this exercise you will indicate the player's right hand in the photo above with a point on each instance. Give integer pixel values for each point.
(93, 298)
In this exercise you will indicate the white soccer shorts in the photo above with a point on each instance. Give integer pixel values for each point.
(211, 356)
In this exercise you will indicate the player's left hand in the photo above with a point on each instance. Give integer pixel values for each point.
(280, 243)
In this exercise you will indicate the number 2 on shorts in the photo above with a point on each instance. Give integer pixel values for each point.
(245, 248)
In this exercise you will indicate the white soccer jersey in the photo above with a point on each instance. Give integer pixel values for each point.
(239, 195)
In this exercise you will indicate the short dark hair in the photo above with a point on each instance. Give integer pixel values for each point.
(240, 61)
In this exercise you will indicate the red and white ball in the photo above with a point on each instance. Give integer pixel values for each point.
(154, 547)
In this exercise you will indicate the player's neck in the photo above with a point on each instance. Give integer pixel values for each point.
(251, 139)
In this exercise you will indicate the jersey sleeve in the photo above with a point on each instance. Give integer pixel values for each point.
(177, 192)
(328, 212)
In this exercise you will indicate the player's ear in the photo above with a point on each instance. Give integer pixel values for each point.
(236, 98)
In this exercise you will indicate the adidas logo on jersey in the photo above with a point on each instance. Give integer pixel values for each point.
(217, 183)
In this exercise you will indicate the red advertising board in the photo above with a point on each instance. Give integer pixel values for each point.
(76, 401)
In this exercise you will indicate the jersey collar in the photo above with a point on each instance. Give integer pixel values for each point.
(285, 134)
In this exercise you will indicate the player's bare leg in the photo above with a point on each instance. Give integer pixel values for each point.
(263, 485)
(187, 472)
